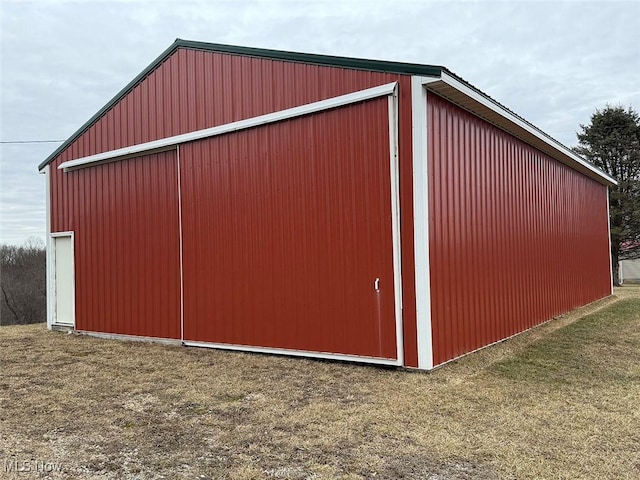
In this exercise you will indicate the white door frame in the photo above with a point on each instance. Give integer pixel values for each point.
(51, 284)
(394, 174)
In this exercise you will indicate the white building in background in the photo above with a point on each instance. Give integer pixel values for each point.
(630, 270)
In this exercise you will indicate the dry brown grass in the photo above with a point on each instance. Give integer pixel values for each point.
(560, 401)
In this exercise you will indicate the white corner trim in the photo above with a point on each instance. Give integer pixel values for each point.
(395, 223)
(421, 222)
(294, 353)
(180, 244)
(168, 142)
(495, 107)
(49, 247)
(609, 243)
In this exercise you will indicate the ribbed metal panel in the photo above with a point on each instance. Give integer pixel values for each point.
(285, 229)
(194, 90)
(516, 237)
(125, 219)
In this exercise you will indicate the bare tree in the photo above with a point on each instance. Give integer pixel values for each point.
(23, 291)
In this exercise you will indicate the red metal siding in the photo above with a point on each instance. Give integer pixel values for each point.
(124, 216)
(516, 237)
(194, 90)
(285, 229)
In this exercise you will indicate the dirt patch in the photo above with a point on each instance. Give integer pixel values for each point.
(559, 401)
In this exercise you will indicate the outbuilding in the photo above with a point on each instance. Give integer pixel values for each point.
(629, 263)
(320, 206)
(629, 270)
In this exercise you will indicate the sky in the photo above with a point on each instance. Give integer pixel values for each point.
(552, 63)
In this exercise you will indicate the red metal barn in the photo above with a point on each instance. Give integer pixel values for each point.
(320, 206)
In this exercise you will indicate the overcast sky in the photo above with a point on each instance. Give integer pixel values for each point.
(551, 62)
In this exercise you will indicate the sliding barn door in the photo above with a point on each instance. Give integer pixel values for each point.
(287, 235)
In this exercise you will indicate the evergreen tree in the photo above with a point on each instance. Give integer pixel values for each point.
(611, 142)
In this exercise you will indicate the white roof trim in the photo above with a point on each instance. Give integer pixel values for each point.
(495, 107)
(167, 143)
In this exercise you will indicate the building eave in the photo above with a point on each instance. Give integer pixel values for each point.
(464, 95)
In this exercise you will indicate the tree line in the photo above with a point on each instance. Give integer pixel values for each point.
(23, 284)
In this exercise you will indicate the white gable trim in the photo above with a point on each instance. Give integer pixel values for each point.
(169, 143)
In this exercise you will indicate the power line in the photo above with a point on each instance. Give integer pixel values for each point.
(33, 141)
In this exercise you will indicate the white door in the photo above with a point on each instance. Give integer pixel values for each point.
(64, 286)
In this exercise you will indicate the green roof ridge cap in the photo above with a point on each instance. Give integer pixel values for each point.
(317, 59)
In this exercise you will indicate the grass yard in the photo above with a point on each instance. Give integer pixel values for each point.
(560, 401)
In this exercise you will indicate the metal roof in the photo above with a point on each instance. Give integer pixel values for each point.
(324, 60)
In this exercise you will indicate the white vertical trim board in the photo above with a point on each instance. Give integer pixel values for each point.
(52, 236)
(180, 245)
(421, 221)
(168, 142)
(395, 222)
(609, 243)
(49, 246)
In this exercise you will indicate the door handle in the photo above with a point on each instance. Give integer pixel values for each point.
(376, 285)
